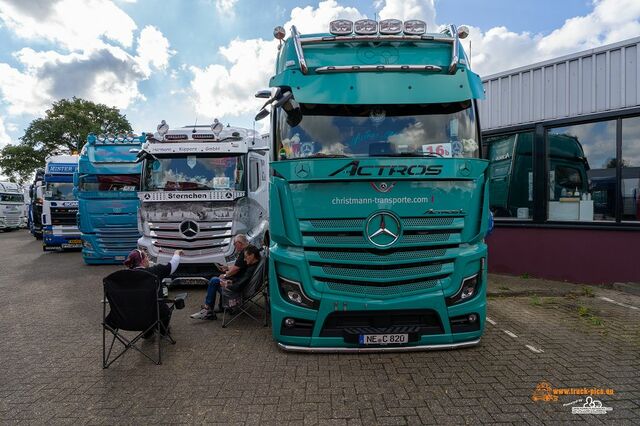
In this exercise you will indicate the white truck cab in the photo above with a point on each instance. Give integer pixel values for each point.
(200, 186)
(11, 206)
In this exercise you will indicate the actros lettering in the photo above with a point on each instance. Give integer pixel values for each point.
(355, 169)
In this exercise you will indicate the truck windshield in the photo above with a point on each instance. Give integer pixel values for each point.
(110, 182)
(190, 172)
(12, 198)
(433, 130)
(59, 191)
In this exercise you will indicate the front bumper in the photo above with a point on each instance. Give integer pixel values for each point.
(339, 318)
(61, 238)
(338, 349)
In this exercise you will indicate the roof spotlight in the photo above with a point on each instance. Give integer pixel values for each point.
(216, 127)
(279, 33)
(415, 27)
(391, 26)
(463, 31)
(341, 27)
(366, 27)
(163, 128)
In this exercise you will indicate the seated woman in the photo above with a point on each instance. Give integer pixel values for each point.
(233, 285)
(137, 259)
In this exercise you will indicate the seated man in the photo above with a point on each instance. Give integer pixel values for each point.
(236, 284)
(240, 242)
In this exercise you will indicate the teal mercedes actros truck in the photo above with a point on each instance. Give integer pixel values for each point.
(378, 195)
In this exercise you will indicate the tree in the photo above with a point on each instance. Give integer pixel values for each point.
(18, 162)
(63, 130)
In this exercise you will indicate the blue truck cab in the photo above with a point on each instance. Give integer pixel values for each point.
(60, 206)
(106, 185)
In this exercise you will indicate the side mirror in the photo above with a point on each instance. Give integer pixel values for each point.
(263, 94)
(262, 114)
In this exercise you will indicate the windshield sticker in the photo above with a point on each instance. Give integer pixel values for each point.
(456, 148)
(377, 116)
(306, 149)
(221, 182)
(128, 188)
(48, 193)
(441, 149)
(191, 161)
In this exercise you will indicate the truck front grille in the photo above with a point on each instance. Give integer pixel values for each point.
(340, 255)
(117, 239)
(12, 218)
(211, 238)
(63, 216)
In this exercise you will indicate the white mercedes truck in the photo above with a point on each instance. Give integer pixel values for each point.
(200, 186)
(11, 206)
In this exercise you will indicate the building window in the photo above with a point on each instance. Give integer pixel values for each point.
(582, 172)
(511, 175)
(630, 169)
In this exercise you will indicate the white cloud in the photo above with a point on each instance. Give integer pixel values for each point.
(23, 92)
(316, 20)
(499, 49)
(153, 49)
(91, 58)
(226, 7)
(73, 24)
(409, 9)
(4, 137)
(220, 91)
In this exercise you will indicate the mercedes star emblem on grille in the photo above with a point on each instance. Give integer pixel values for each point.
(189, 228)
(382, 229)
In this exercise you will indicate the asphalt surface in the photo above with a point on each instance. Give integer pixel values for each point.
(51, 372)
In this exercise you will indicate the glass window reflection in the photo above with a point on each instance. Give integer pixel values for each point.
(582, 172)
(631, 169)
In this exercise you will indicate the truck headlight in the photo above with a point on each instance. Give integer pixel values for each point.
(292, 292)
(87, 244)
(468, 290)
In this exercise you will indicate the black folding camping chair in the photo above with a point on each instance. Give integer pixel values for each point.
(135, 304)
(235, 305)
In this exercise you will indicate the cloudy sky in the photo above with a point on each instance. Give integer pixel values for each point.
(182, 60)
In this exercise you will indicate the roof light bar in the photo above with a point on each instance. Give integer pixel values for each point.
(391, 26)
(341, 27)
(176, 137)
(415, 27)
(366, 27)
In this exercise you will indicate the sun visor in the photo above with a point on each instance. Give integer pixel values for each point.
(382, 87)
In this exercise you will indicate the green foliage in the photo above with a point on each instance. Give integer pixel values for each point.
(525, 275)
(588, 292)
(63, 130)
(535, 301)
(595, 320)
(19, 161)
(583, 311)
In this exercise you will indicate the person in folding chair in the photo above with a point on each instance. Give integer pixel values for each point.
(236, 284)
(136, 303)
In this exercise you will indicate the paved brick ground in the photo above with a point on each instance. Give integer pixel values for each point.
(50, 362)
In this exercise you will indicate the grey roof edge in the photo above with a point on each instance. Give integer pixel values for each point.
(570, 56)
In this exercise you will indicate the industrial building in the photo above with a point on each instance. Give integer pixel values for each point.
(563, 140)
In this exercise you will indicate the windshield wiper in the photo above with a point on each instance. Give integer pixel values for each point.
(411, 154)
(321, 155)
